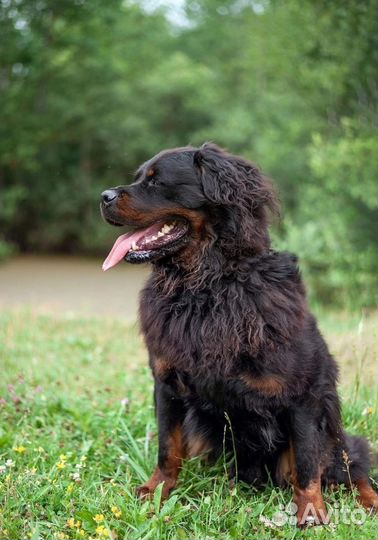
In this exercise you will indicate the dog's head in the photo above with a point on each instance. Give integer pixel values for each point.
(187, 198)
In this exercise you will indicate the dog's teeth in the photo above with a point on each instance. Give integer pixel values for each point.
(160, 234)
(153, 237)
(134, 246)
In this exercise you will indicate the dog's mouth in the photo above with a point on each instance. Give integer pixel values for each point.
(149, 243)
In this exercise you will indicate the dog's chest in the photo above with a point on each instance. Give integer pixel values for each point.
(197, 331)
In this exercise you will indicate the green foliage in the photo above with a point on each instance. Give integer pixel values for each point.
(90, 89)
(343, 168)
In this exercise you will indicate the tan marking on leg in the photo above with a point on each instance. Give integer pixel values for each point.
(197, 445)
(285, 467)
(367, 496)
(309, 500)
(171, 469)
(311, 507)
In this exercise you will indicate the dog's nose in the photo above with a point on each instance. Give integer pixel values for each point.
(108, 196)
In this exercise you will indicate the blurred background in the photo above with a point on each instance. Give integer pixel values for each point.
(90, 89)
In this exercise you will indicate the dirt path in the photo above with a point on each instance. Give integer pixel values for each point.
(71, 284)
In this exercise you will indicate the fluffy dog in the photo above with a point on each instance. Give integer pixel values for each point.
(230, 337)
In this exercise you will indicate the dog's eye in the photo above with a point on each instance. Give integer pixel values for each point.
(155, 181)
(152, 177)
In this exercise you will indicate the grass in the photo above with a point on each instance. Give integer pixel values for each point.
(77, 435)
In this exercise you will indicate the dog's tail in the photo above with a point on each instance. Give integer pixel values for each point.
(351, 461)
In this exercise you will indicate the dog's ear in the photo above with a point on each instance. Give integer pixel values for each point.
(217, 173)
(228, 179)
(243, 195)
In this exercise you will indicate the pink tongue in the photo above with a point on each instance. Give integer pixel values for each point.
(119, 250)
(123, 244)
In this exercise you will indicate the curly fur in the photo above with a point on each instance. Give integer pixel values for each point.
(230, 336)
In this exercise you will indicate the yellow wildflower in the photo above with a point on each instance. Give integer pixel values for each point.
(62, 536)
(98, 518)
(70, 487)
(61, 465)
(83, 458)
(116, 511)
(81, 532)
(73, 524)
(102, 531)
(63, 457)
(20, 449)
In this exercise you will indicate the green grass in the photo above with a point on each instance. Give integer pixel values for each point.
(77, 423)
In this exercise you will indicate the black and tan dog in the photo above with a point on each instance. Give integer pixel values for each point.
(228, 330)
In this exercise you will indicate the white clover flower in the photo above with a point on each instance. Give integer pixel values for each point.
(76, 477)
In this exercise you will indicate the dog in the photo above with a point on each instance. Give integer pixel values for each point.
(238, 362)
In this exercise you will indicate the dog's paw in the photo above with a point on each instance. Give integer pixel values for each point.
(144, 492)
(369, 501)
(367, 496)
(147, 491)
(313, 516)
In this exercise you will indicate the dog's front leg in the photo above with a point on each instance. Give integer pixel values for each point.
(306, 469)
(170, 414)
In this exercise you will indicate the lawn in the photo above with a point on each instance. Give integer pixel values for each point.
(77, 435)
